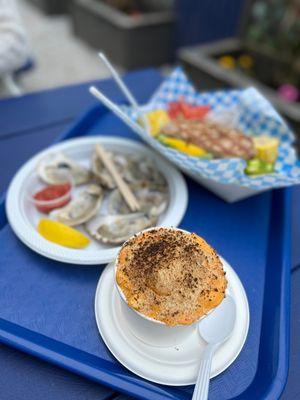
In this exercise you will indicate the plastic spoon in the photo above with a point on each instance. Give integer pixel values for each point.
(215, 329)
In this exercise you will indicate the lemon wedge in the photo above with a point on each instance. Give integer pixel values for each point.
(62, 234)
(157, 119)
(183, 146)
(266, 148)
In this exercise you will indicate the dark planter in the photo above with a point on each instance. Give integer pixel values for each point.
(129, 41)
(200, 63)
(52, 7)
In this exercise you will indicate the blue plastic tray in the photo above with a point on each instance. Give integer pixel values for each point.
(46, 308)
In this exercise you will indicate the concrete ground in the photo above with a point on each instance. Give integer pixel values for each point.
(60, 58)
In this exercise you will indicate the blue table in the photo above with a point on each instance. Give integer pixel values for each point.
(30, 123)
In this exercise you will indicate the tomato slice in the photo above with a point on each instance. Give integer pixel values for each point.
(186, 110)
(195, 112)
(174, 109)
(50, 194)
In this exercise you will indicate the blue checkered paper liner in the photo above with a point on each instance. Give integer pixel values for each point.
(246, 110)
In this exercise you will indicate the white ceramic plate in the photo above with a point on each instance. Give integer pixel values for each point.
(23, 216)
(175, 366)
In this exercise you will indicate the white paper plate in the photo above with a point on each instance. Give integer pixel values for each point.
(23, 217)
(175, 366)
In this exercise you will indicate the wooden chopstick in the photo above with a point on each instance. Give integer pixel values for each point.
(125, 190)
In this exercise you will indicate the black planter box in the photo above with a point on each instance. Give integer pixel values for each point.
(52, 7)
(201, 64)
(129, 41)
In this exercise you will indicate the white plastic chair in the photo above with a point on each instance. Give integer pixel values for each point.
(10, 86)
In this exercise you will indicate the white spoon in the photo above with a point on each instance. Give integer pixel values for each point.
(215, 329)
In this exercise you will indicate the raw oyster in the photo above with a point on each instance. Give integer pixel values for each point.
(102, 174)
(135, 170)
(82, 208)
(116, 229)
(152, 200)
(52, 170)
(141, 170)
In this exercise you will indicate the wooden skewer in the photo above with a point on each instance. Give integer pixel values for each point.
(116, 110)
(119, 81)
(125, 190)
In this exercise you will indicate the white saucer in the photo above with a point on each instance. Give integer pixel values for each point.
(23, 216)
(175, 366)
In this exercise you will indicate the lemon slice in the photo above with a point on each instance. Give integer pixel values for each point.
(157, 119)
(62, 234)
(266, 148)
(183, 146)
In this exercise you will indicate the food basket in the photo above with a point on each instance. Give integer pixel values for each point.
(245, 109)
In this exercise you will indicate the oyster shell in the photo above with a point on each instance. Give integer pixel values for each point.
(52, 170)
(116, 229)
(102, 174)
(82, 208)
(152, 201)
(135, 170)
(143, 171)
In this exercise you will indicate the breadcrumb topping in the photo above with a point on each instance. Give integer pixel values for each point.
(170, 275)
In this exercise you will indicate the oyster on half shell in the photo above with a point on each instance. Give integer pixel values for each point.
(115, 229)
(53, 170)
(143, 171)
(82, 208)
(153, 201)
(102, 174)
(133, 169)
